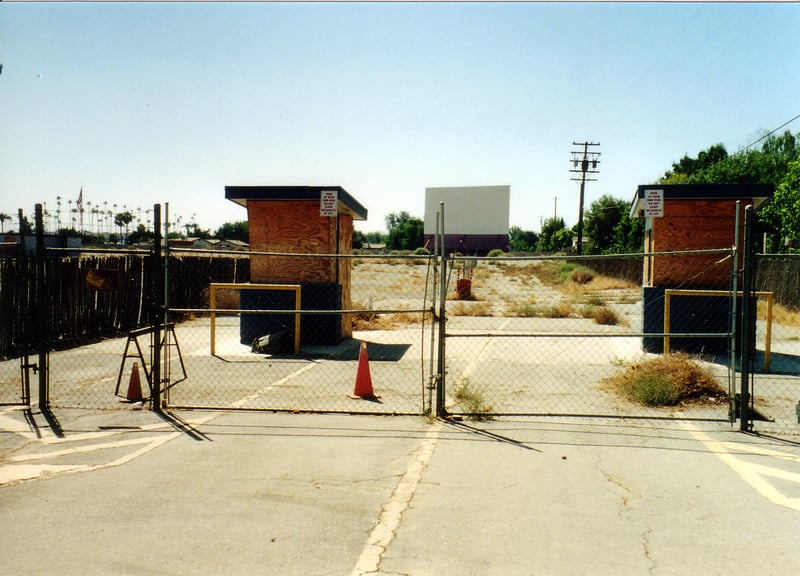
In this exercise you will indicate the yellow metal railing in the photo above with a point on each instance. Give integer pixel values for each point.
(668, 293)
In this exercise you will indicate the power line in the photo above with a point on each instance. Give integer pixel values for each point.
(768, 134)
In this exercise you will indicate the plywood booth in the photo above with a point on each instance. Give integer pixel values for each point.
(305, 223)
(686, 217)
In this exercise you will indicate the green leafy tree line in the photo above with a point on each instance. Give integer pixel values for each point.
(776, 162)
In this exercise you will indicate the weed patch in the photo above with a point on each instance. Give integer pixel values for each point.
(368, 320)
(581, 276)
(781, 314)
(671, 380)
(472, 401)
(471, 309)
(530, 310)
(605, 316)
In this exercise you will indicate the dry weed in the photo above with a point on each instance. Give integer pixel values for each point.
(781, 314)
(668, 380)
(385, 321)
(462, 308)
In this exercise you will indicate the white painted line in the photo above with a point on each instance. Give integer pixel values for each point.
(476, 359)
(105, 433)
(753, 474)
(20, 468)
(760, 451)
(16, 425)
(392, 511)
(80, 449)
(17, 472)
(241, 402)
(777, 473)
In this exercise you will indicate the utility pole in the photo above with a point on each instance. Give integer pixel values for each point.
(584, 162)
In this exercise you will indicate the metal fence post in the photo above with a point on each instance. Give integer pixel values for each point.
(157, 291)
(42, 308)
(734, 313)
(748, 322)
(441, 364)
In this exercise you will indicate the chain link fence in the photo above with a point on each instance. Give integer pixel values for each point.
(514, 335)
(549, 335)
(775, 385)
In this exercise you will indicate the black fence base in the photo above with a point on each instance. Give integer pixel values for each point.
(315, 329)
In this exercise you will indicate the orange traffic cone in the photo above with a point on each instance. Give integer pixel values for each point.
(135, 385)
(363, 388)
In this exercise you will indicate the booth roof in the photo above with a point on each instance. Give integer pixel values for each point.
(758, 193)
(244, 194)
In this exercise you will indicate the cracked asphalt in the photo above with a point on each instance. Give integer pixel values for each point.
(129, 492)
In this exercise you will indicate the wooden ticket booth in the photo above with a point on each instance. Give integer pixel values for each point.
(305, 223)
(683, 218)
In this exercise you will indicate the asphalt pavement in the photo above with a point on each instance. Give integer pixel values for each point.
(132, 492)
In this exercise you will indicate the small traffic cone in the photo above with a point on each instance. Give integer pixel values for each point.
(363, 388)
(135, 385)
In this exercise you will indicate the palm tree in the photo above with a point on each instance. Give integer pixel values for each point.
(123, 219)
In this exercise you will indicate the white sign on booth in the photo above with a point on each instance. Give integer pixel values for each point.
(328, 203)
(654, 203)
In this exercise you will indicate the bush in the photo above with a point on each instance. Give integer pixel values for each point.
(483, 309)
(605, 316)
(581, 276)
(656, 390)
(497, 253)
(422, 252)
(525, 311)
(560, 310)
(668, 381)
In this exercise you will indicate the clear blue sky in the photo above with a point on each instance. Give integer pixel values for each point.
(145, 103)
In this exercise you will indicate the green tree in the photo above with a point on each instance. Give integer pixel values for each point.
(562, 240)
(26, 226)
(628, 236)
(395, 219)
(3, 218)
(554, 236)
(123, 220)
(770, 164)
(376, 238)
(405, 231)
(141, 234)
(193, 230)
(686, 167)
(233, 231)
(520, 240)
(601, 220)
(782, 213)
(358, 239)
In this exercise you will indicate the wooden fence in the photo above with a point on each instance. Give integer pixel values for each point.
(779, 274)
(94, 296)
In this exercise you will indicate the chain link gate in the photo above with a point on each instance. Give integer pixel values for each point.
(291, 362)
(545, 335)
(770, 395)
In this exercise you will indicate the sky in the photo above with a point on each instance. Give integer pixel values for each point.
(144, 103)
